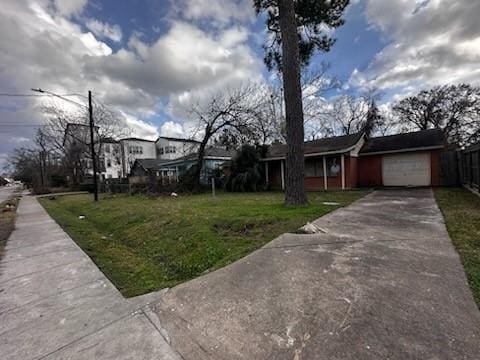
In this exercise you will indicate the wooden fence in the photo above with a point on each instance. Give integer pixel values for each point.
(470, 167)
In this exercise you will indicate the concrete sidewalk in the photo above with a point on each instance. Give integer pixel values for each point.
(383, 282)
(56, 304)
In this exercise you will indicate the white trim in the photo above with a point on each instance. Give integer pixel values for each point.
(180, 160)
(313, 154)
(342, 151)
(343, 170)
(282, 171)
(426, 148)
(273, 159)
(325, 178)
(217, 158)
(358, 147)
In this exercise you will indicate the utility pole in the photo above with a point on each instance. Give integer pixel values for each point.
(92, 147)
(92, 129)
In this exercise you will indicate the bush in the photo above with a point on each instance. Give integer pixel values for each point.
(246, 171)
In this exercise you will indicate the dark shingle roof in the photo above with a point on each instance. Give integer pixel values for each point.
(151, 164)
(109, 140)
(326, 145)
(413, 140)
(178, 139)
(136, 139)
(213, 152)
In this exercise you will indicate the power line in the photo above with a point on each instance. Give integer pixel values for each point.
(40, 95)
(59, 96)
(23, 95)
(13, 125)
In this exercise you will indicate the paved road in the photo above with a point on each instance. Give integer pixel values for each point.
(56, 304)
(5, 193)
(383, 282)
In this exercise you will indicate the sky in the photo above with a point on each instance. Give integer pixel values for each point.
(147, 58)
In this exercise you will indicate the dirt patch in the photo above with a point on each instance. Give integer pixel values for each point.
(242, 228)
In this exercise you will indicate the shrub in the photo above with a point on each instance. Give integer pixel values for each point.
(246, 171)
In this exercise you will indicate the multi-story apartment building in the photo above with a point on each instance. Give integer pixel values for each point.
(169, 148)
(133, 149)
(111, 157)
(116, 157)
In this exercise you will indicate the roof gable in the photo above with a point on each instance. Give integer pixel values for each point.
(337, 144)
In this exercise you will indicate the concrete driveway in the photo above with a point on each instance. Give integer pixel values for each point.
(382, 282)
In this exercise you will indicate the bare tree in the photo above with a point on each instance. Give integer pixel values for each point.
(73, 125)
(228, 114)
(453, 108)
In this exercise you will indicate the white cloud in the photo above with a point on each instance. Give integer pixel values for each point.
(172, 129)
(49, 50)
(104, 30)
(140, 129)
(185, 58)
(431, 42)
(70, 7)
(219, 13)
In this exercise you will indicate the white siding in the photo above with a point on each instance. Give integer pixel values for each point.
(136, 149)
(168, 149)
(112, 157)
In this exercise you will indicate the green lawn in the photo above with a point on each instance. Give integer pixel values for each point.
(144, 244)
(461, 210)
(7, 221)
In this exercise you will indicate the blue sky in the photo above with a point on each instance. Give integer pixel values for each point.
(148, 58)
(151, 18)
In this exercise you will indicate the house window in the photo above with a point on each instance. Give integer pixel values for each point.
(314, 167)
(109, 163)
(107, 148)
(161, 151)
(135, 149)
(170, 149)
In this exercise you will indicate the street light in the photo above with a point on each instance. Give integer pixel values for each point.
(92, 126)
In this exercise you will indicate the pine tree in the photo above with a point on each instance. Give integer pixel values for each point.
(298, 30)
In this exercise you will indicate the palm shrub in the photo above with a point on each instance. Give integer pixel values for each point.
(245, 171)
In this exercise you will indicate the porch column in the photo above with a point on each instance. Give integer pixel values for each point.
(266, 172)
(282, 171)
(325, 179)
(343, 171)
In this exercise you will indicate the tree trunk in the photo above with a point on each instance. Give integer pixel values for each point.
(295, 166)
(198, 171)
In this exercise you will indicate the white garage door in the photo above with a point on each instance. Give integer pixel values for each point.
(406, 169)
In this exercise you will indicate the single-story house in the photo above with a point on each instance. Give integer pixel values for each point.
(213, 160)
(350, 161)
(145, 167)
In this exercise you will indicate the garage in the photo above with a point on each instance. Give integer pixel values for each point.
(410, 169)
(408, 159)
